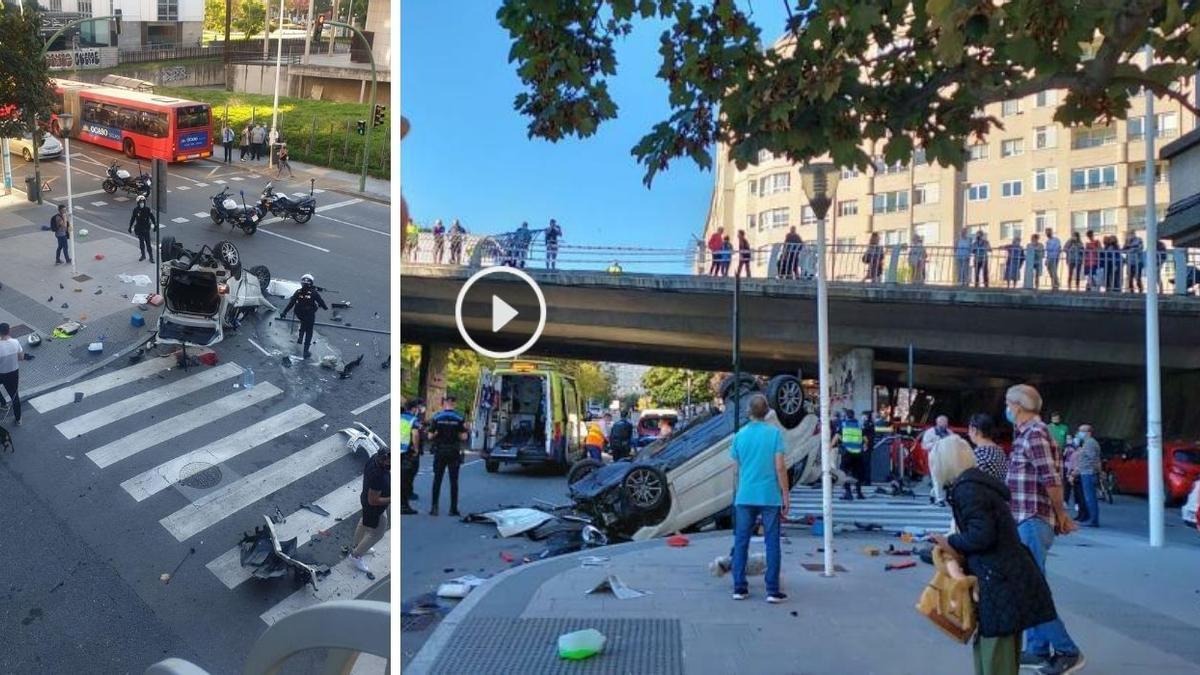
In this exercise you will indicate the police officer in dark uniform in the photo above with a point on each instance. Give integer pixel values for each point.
(620, 437)
(448, 430)
(140, 222)
(306, 299)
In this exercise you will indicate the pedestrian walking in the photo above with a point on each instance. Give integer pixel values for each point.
(726, 255)
(1053, 254)
(375, 498)
(1091, 262)
(1014, 259)
(456, 241)
(1112, 264)
(620, 437)
(980, 250)
(60, 225)
(283, 162)
(140, 223)
(1074, 251)
(1036, 254)
(917, 259)
(793, 245)
(962, 258)
(410, 454)
(761, 492)
(1087, 472)
(227, 140)
(258, 139)
(439, 241)
(715, 244)
(306, 299)
(1035, 481)
(449, 430)
(873, 259)
(1135, 259)
(11, 355)
(850, 436)
(553, 233)
(1012, 592)
(744, 254)
(867, 422)
(244, 146)
(988, 456)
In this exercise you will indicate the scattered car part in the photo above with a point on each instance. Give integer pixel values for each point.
(363, 439)
(510, 522)
(613, 584)
(315, 509)
(269, 558)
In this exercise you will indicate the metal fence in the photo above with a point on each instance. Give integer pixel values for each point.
(241, 51)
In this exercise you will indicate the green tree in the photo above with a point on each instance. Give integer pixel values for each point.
(214, 16)
(24, 77)
(668, 387)
(249, 17)
(826, 88)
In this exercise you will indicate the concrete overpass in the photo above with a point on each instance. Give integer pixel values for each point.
(961, 337)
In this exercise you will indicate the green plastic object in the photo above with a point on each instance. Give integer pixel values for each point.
(581, 644)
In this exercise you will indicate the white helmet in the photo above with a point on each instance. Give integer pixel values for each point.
(34, 339)
(306, 279)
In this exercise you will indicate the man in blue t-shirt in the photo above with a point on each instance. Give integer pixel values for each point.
(760, 490)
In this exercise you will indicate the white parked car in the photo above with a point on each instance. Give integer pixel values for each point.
(1190, 507)
(205, 292)
(51, 147)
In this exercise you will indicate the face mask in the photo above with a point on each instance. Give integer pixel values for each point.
(1008, 415)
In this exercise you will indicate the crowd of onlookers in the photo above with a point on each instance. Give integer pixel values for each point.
(511, 248)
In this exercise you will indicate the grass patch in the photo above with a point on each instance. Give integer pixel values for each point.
(315, 131)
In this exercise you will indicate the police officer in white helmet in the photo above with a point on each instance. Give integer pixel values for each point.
(306, 299)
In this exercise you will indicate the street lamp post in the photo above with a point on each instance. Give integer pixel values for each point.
(275, 103)
(362, 180)
(65, 122)
(1154, 449)
(819, 181)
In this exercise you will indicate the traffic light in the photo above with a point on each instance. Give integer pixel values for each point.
(362, 127)
(320, 25)
(380, 115)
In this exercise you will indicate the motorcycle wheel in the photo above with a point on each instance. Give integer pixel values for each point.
(109, 186)
(302, 216)
(250, 228)
(216, 216)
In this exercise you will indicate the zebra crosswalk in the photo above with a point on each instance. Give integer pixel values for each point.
(148, 457)
(891, 513)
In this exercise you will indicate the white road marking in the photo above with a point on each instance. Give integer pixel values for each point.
(344, 582)
(120, 199)
(60, 397)
(123, 448)
(99, 203)
(299, 194)
(76, 195)
(219, 182)
(303, 524)
(180, 219)
(217, 505)
(163, 476)
(185, 177)
(337, 205)
(235, 178)
(355, 225)
(367, 406)
(199, 184)
(318, 191)
(200, 214)
(76, 169)
(182, 188)
(294, 241)
(141, 402)
(265, 352)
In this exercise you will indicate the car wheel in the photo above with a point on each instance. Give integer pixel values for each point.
(747, 385)
(582, 469)
(786, 396)
(227, 253)
(645, 488)
(263, 275)
(491, 466)
(27, 155)
(165, 247)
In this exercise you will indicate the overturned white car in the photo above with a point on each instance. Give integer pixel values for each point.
(206, 292)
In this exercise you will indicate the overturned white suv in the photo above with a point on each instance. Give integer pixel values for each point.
(206, 292)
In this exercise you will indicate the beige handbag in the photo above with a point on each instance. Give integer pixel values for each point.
(948, 600)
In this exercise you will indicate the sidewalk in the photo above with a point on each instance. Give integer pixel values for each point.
(378, 189)
(35, 291)
(1125, 618)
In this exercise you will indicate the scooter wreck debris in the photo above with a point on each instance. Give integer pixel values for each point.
(363, 440)
(268, 558)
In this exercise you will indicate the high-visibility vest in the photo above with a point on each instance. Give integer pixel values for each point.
(406, 428)
(852, 437)
(594, 436)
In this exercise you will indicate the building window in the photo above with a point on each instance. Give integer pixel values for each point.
(168, 10)
(753, 187)
(1137, 217)
(807, 216)
(85, 7)
(774, 218)
(1045, 180)
(977, 227)
(978, 192)
(848, 207)
(1166, 125)
(851, 172)
(926, 193)
(1094, 178)
(1045, 137)
(1011, 188)
(1137, 173)
(55, 5)
(1044, 219)
(1012, 147)
(764, 156)
(1093, 137)
(1045, 99)
(844, 243)
(884, 169)
(928, 232)
(893, 237)
(890, 202)
(977, 151)
(776, 182)
(1097, 220)
(1010, 229)
(750, 222)
(1010, 108)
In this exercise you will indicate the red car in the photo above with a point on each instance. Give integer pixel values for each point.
(918, 454)
(1181, 468)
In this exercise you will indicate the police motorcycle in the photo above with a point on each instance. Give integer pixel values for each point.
(225, 208)
(117, 178)
(300, 210)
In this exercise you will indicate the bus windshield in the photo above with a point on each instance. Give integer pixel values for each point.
(191, 117)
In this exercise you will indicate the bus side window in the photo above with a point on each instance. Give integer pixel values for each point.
(90, 112)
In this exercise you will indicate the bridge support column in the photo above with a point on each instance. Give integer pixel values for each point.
(434, 359)
(852, 383)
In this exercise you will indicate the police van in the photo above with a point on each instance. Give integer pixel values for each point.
(527, 413)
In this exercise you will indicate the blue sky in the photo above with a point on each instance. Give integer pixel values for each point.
(467, 155)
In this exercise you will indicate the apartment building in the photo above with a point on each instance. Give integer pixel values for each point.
(1028, 176)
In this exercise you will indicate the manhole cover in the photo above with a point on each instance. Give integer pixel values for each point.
(415, 623)
(200, 475)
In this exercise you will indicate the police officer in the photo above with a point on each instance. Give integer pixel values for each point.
(410, 454)
(140, 222)
(850, 434)
(620, 437)
(306, 299)
(448, 429)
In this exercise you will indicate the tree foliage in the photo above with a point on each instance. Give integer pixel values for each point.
(249, 17)
(825, 88)
(24, 76)
(668, 387)
(214, 16)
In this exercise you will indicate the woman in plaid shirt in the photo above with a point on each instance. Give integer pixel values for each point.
(1035, 481)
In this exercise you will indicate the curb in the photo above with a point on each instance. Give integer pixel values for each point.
(425, 659)
(349, 192)
(86, 371)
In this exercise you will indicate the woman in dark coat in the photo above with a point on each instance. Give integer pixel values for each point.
(1013, 594)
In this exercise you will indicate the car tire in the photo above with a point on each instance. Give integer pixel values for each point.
(747, 385)
(582, 469)
(264, 277)
(165, 246)
(491, 465)
(645, 488)
(27, 155)
(785, 393)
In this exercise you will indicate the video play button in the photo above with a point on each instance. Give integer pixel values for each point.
(500, 312)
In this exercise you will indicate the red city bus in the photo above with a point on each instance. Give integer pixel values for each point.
(139, 124)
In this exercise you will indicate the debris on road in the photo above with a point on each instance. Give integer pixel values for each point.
(678, 541)
(459, 587)
(756, 564)
(315, 509)
(899, 566)
(269, 558)
(581, 644)
(507, 557)
(363, 438)
(871, 551)
(613, 584)
(593, 560)
(510, 522)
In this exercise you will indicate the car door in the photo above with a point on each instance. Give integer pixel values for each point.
(481, 410)
(574, 421)
(1134, 474)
